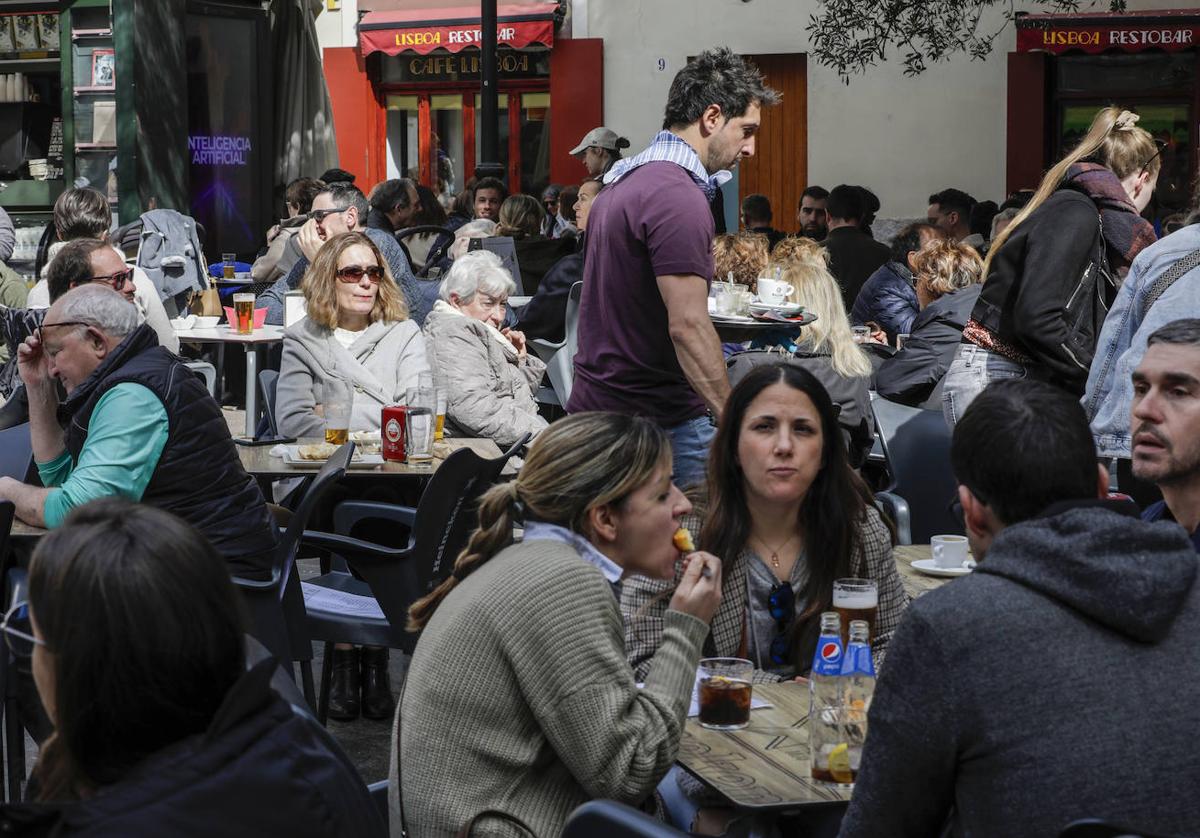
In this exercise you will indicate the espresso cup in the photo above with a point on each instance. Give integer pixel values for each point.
(773, 290)
(949, 551)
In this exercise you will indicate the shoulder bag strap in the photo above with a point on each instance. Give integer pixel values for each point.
(1160, 285)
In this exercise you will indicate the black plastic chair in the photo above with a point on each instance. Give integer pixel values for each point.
(268, 388)
(392, 578)
(1092, 828)
(440, 245)
(916, 445)
(14, 734)
(16, 455)
(610, 819)
(276, 605)
(379, 796)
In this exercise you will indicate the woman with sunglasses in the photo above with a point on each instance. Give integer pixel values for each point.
(356, 331)
(160, 726)
(787, 516)
(1052, 275)
(489, 377)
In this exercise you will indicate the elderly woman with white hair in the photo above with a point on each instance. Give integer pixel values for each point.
(489, 378)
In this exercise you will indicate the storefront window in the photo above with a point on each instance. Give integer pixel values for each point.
(1112, 75)
(402, 137)
(502, 138)
(446, 114)
(535, 142)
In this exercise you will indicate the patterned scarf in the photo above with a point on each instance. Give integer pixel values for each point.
(671, 148)
(1125, 232)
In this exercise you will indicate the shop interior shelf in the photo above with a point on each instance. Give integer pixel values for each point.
(78, 34)
(96, 89)
(95, 147)
(30, 193)
(29, 62)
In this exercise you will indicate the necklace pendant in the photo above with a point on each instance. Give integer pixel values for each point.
(775, 560)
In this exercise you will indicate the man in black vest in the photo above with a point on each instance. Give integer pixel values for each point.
(853, 255)
(135, 423)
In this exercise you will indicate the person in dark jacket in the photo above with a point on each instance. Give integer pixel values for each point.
(136, 423)
(756, 217)
(521, 218)
(139, 658)
(394, 205)
(1051, 276)
(948, 274)
(853, 255)
(545, 315)
(889, 298)
(1044, 687)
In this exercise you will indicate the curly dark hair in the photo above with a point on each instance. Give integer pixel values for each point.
(715, 77)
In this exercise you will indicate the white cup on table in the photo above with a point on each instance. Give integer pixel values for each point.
(949, 551)
(773, 291)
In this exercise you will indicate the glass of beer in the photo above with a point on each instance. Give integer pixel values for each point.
(338, 405)
(440, 427)
(856, 599)
(725, 690)
(243, 312)
(228, 265)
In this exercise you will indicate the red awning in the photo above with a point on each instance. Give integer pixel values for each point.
(1171, 31)
(519, 25)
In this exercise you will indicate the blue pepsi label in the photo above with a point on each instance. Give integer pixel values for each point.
(828, 658)
(858, 661)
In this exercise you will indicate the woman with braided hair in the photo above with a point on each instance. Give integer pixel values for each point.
(1052, 275)
(519, 703)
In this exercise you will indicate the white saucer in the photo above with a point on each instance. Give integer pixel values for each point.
(930, 567)
(781, 308)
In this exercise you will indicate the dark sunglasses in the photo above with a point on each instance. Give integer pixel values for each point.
(117, 280)
(781, 604)
(354, 273)
(321, 215)
(1161, 148)
(39, 330)
(18, 631)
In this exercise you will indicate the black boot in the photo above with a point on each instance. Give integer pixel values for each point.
(377, 701)
(343, 689)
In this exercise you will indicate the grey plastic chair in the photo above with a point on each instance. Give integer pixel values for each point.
(16, 454)
(610, 819)
(560, 357)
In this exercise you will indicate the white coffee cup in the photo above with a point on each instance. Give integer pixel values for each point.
(949, 551)
(773, 291)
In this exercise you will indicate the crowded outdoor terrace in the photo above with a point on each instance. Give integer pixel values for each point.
(566, 513)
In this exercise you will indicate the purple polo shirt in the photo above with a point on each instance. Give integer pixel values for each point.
(653, 222)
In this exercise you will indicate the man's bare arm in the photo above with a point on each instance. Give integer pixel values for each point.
(30, 501)
(696, 343)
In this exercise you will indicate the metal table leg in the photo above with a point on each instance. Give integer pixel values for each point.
(251, 389)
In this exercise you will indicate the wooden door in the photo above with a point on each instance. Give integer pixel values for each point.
(779, 167)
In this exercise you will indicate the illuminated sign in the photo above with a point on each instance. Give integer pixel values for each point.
(219, 150)
(1045, 36)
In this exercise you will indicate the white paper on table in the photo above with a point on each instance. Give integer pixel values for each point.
(694, 708)
(329, 599)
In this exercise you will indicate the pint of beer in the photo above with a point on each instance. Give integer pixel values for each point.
(243, 311)
(228, 265)
(856, 599)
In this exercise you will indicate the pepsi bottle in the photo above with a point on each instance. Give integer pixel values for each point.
(858, 686)
(827, 745)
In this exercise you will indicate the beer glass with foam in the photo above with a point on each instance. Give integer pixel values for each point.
(855, 599)
(243, 313)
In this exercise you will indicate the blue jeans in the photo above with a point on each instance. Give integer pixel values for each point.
(689, 450)
(974, 368)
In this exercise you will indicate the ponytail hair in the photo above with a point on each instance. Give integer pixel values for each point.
(578, 463)
(1113, 141)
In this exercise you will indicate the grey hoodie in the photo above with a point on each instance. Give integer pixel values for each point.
(1054, 683)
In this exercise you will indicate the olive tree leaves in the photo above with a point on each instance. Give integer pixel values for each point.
(851, 36)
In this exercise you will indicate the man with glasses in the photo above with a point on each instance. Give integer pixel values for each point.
(135, 423)
(1043, 687)
(342, 208)
(1162, 285)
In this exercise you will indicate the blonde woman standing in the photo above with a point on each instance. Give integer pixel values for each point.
(1051, 276)
(826, 348)
(519, 703)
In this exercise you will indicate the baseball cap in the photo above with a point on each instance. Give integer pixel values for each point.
(601, 138)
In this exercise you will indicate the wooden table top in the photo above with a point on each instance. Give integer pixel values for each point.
(22, 530)
(257, 460)
(765, 766)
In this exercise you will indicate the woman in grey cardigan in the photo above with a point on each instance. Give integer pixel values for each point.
(356, 330)
(489, 378)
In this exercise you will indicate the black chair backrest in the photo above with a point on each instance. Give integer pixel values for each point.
(440, 245)
(329, 474)
(268, 385)
(7, 512)
(916, 444)
(16, 453)
(610, 819)
(1092, 828)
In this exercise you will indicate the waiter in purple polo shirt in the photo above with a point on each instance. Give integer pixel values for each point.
(646, 343)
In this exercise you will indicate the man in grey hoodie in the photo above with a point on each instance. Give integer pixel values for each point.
(1054, 682)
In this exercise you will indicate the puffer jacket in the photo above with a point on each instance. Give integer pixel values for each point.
(889, 299)
(489, 391)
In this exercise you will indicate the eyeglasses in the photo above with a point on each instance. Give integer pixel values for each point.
(321, 215)
(40, 329)
(1162, 146)
(354, 273)
(781, 604)
(117, 280)
(20, 642)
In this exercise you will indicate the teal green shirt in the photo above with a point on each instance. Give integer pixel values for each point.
(126, 436)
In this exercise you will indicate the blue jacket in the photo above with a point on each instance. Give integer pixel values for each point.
(889, 299)
(1122, 342)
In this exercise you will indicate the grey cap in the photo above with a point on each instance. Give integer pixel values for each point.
(601, 138)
